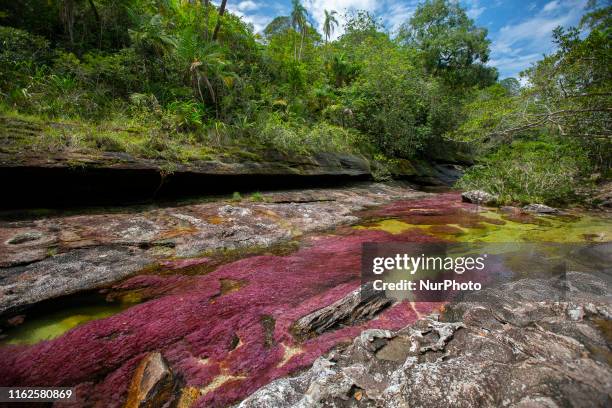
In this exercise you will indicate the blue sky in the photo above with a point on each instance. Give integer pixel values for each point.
(520, 30)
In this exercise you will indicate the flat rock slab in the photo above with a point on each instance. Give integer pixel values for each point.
(49, 257)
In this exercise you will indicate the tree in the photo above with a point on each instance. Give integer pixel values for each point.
(451, 45)
(329, 24)
(512, 85)
(299, 22)
(280, 24)
(219, 18)
(567, 95)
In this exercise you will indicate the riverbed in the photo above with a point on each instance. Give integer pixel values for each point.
(223, 316)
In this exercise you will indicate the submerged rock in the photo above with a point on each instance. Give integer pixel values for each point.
(478, 197)
(540, 209)
(503, 351)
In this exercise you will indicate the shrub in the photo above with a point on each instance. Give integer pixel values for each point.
(530, 172)
(21, 54)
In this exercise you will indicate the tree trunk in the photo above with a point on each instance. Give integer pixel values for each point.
(206, 4)
(67, 17)
(302, 44)
(97, 16)
(218, 26)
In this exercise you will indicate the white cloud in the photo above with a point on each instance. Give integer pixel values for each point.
(474, 9)
(398, 14)
(553, 5)
(475, 12)
(247, 5)
(516, 46)
(259, 21)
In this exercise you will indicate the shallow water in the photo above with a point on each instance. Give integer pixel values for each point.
(54, 318)
(494, 226)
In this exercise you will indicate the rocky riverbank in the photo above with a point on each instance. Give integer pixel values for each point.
(508, 346)
(56, 256)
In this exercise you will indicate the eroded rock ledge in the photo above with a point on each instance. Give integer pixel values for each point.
(495, 349)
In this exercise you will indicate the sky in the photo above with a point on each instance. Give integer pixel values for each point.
(519, 30)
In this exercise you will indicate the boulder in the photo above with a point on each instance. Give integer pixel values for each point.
(478, 197)
(540, 209)
(153, 384)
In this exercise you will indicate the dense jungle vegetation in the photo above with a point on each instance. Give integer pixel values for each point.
(180, 80)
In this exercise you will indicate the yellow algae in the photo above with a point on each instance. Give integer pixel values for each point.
(392, 226)
(189, 396)
(289, 353)
(218, 381)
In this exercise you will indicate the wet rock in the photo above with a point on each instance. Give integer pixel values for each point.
(358, 306)
(230, 210)
(25, 237)
(67, 273)
(15, 320)
(478, 197)
(507, 350)
(153, 384)
(540, 209)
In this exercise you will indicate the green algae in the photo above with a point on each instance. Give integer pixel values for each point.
(37, 328)
(494, 227)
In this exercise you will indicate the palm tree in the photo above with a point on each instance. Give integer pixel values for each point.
(299, 22)
(330, 24)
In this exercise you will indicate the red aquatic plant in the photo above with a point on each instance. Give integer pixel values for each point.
(226, 343)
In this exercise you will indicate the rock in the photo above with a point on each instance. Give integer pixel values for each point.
(230, 210)
(506, 348)
(67, 273)
(153, 384)
(478, 197)
(15, 320)
(360, 305)
(25, 237)
(540, 209)
(602, 198)
(84, 252)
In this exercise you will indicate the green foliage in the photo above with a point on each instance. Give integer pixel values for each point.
(236, 196)
(452, 47)
(545, 171)
(21, 55)
(150, 78)
(257, 197)
(567, 98)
